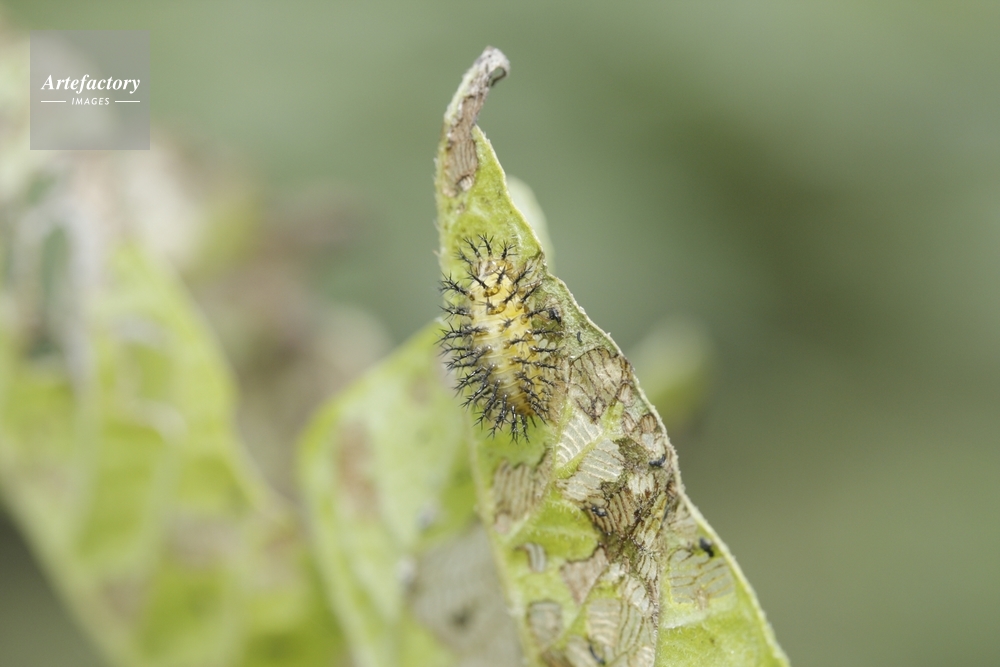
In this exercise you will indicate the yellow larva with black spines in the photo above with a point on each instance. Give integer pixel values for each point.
(502, 337)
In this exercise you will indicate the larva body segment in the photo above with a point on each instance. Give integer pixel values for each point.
(502, 338)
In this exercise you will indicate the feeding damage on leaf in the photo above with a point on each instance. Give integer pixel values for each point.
(460, 159)
(604, 559)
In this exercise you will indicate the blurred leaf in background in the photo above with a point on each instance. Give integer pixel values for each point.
(813, 185)
(118, 455)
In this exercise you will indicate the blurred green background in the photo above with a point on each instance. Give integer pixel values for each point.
(815, 186)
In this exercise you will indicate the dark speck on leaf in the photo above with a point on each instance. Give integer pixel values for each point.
(707, 546)
(460, 619)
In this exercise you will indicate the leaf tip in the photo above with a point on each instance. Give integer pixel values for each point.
(458, 161)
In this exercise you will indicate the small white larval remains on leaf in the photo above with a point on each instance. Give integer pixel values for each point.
(603, 558)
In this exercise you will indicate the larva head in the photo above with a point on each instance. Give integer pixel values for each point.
(502, 339)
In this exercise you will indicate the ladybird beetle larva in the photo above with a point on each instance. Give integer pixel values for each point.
(502, 338)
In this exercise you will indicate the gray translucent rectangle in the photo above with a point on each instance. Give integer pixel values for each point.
(90, 89)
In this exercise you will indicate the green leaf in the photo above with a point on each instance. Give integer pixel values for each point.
(384, 472)
(119, 460)
(601, 557)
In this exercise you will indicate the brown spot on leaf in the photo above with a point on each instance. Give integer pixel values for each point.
(626, 395)
(546, 622)
(420, 390)
(202, 542)
(280, 555)
(581, 653)
(679, 523)
(697, 578)
(554, 658)
(596, 379)
(461, 161)
(125, 597)
(355, 470)
(580, 575)
(617, 628)
(649, 434)
(517, 490)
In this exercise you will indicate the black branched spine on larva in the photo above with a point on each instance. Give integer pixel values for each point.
(502, 340)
